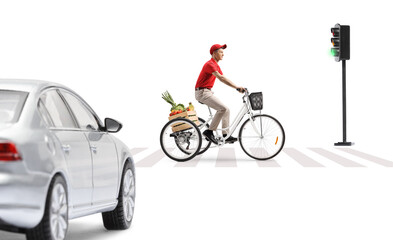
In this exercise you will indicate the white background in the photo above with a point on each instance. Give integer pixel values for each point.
(121, 55)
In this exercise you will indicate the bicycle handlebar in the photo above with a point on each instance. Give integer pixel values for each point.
(246, 90)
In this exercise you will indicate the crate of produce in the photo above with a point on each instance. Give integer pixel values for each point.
(191, 115)
(180, 111)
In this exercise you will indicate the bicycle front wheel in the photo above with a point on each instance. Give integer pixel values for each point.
(180, 139)
(262, 137)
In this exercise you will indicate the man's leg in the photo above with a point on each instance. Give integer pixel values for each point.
(222, 113)
(206, 97)
(225, 121)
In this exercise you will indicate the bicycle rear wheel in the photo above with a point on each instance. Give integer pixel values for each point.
(262, 137)
(180, 139)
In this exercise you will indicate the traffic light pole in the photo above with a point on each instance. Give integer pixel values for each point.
(344, 142)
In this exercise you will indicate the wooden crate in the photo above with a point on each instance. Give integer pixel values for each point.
(191, 115)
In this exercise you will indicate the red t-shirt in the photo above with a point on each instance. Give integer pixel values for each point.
(206, 78)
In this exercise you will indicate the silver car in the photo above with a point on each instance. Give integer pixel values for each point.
(59, 162)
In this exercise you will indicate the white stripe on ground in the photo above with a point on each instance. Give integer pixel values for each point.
(264, 163)
(151, 160)
(345, 162)
(226, 158)
(267, 163)
(190, 163)
(368, 157)
(135, 151)
(301, 158)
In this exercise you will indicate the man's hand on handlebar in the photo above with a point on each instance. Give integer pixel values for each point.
(241, 89)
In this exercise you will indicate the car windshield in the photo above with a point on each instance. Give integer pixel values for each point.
(11, 105)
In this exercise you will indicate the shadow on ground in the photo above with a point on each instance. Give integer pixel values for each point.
(76, 231)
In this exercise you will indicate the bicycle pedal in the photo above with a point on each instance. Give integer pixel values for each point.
(210, 141)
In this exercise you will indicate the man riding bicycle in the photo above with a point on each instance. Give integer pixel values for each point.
(210, 71)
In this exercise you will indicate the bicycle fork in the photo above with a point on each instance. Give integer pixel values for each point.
(260, 134)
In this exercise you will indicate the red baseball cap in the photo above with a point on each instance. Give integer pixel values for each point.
(217, 46)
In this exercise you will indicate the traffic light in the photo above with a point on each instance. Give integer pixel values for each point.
(340, 52)
(340, 41)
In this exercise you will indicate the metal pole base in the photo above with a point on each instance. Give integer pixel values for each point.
(344, 144)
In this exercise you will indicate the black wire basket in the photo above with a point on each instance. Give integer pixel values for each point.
(256, 100)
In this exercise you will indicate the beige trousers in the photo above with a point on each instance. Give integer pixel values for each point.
(207, 97)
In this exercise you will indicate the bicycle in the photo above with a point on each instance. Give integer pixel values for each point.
(261, 136)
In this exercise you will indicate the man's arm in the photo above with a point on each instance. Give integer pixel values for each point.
(226, 80)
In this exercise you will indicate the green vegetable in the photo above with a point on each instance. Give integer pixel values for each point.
(180, 107)
(168, 98)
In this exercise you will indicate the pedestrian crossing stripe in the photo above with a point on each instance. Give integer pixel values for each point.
(232, 157)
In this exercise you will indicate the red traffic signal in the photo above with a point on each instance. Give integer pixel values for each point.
(335, 31)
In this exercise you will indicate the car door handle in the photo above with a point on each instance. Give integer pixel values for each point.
(66, 148)
(94, 149)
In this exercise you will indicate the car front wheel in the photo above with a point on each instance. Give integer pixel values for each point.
(120, 218)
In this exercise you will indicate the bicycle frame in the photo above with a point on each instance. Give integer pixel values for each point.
(246, 109)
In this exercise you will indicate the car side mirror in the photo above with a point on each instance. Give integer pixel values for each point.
(111, 125)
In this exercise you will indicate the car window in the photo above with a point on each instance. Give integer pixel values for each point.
(11, 105)
(84, 117)
(45, 115)
(57, 110)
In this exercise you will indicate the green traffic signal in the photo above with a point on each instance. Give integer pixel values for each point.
(334, 52)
